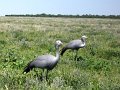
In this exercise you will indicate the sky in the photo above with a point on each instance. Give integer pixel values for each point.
(66, 7)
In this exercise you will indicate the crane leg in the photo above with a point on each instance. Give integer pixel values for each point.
(42, 75)
(47, 75)
(73, 56)
(76, 55)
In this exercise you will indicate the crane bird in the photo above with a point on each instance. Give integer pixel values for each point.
(75, 45)
(45, 61)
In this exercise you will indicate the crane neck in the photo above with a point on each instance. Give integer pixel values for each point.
(83, 40)
(57, 53)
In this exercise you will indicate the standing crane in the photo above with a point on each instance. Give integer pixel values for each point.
(75, 45)
(45, 61)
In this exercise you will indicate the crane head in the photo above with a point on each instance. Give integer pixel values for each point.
(58, 43)
(84, 36)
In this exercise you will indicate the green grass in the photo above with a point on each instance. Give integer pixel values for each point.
(23, 39)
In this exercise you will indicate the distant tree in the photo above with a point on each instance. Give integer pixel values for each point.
(70, 16)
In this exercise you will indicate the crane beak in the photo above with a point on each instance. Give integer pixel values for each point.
(61, 43)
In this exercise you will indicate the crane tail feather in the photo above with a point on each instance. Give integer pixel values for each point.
(28, 68)
(63, 51)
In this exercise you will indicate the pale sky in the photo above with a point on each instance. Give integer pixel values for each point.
(96, 7)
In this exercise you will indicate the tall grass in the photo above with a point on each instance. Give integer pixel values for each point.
(97, 66)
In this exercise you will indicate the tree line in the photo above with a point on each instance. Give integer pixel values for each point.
(69, 16)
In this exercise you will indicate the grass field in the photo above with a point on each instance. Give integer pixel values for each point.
(97, 66)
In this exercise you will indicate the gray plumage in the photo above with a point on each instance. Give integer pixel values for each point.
(45, 61)
(75, 44)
